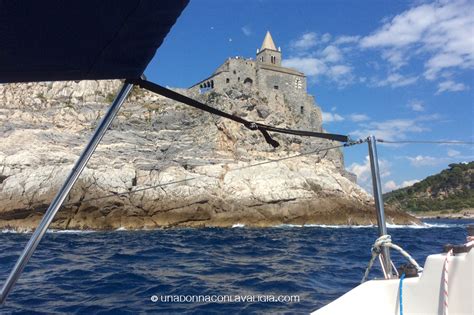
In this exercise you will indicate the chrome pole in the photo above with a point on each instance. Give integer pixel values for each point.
(377, 187)
(64, 191)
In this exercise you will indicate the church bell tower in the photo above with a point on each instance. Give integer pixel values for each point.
(268, 53)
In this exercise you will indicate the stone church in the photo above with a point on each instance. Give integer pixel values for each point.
(265, 73)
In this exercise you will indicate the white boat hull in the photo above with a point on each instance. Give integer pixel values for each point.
(421, 295)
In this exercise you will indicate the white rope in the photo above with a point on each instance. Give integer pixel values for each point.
(445, 282)
(386, 241)
(469, 243)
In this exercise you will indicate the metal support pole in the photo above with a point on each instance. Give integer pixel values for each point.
(64, 191)
(377, 186)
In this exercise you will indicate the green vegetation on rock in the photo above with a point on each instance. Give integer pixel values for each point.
(450, 189)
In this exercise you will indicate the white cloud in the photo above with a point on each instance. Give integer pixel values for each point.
(339, 70)
(416, 106)
(407, 183)
(358, 117)
(331, 54)
(362, 170)
(440, 61)
(326, 37)
(246, 30)
(392, 185)
(305, 41)
(437, 34)
(424, 160)
(395, 57)
(453, 153)
(346, 40)
(318, 68)
(404, 29)
(308, 65)
(394, 129)
(441, 30)
(319, 58)
(450, 86)
(389, 186)
(396, 80)
(331, 117)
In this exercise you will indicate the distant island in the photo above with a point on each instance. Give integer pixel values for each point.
(451, 192)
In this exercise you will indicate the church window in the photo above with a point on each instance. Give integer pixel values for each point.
(302, 110)
(212, 84)
(238, 79)
(235, 72)
(272, 59)
(227, 80)
(298, 84)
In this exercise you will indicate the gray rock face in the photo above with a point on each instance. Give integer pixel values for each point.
(165, 164)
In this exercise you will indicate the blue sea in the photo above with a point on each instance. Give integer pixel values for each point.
(120, 272)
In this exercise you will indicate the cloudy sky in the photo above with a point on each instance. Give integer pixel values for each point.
(401, 70)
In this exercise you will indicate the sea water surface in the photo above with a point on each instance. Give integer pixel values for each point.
(118, 272)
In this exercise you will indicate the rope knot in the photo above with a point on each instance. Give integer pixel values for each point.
(386, 241)
(379, 243)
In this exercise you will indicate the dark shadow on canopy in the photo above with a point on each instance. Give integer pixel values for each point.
(53, 40)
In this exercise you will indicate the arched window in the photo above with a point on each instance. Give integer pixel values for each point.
(298, 84)
(227, 80)
(212, 84)
(248, 81)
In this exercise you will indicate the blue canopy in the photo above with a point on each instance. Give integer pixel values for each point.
(53, 40)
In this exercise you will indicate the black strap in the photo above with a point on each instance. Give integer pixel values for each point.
(150, 86)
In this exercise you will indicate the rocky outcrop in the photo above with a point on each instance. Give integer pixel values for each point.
(164, 164)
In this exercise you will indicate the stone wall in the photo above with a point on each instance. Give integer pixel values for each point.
(234, 71)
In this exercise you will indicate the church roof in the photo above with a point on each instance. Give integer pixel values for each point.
(268, 42)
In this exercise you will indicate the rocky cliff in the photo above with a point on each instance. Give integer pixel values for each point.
(164, 164)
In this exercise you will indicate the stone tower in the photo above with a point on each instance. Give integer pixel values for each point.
(268, 53)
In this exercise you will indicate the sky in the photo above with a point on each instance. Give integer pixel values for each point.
(400, 70)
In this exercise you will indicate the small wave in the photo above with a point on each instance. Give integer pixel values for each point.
(325, 226)
(407, 226)
(389, 225)
(19, 231)
(238, 225)
(443, 225)
(26, 231)
(71, 231)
